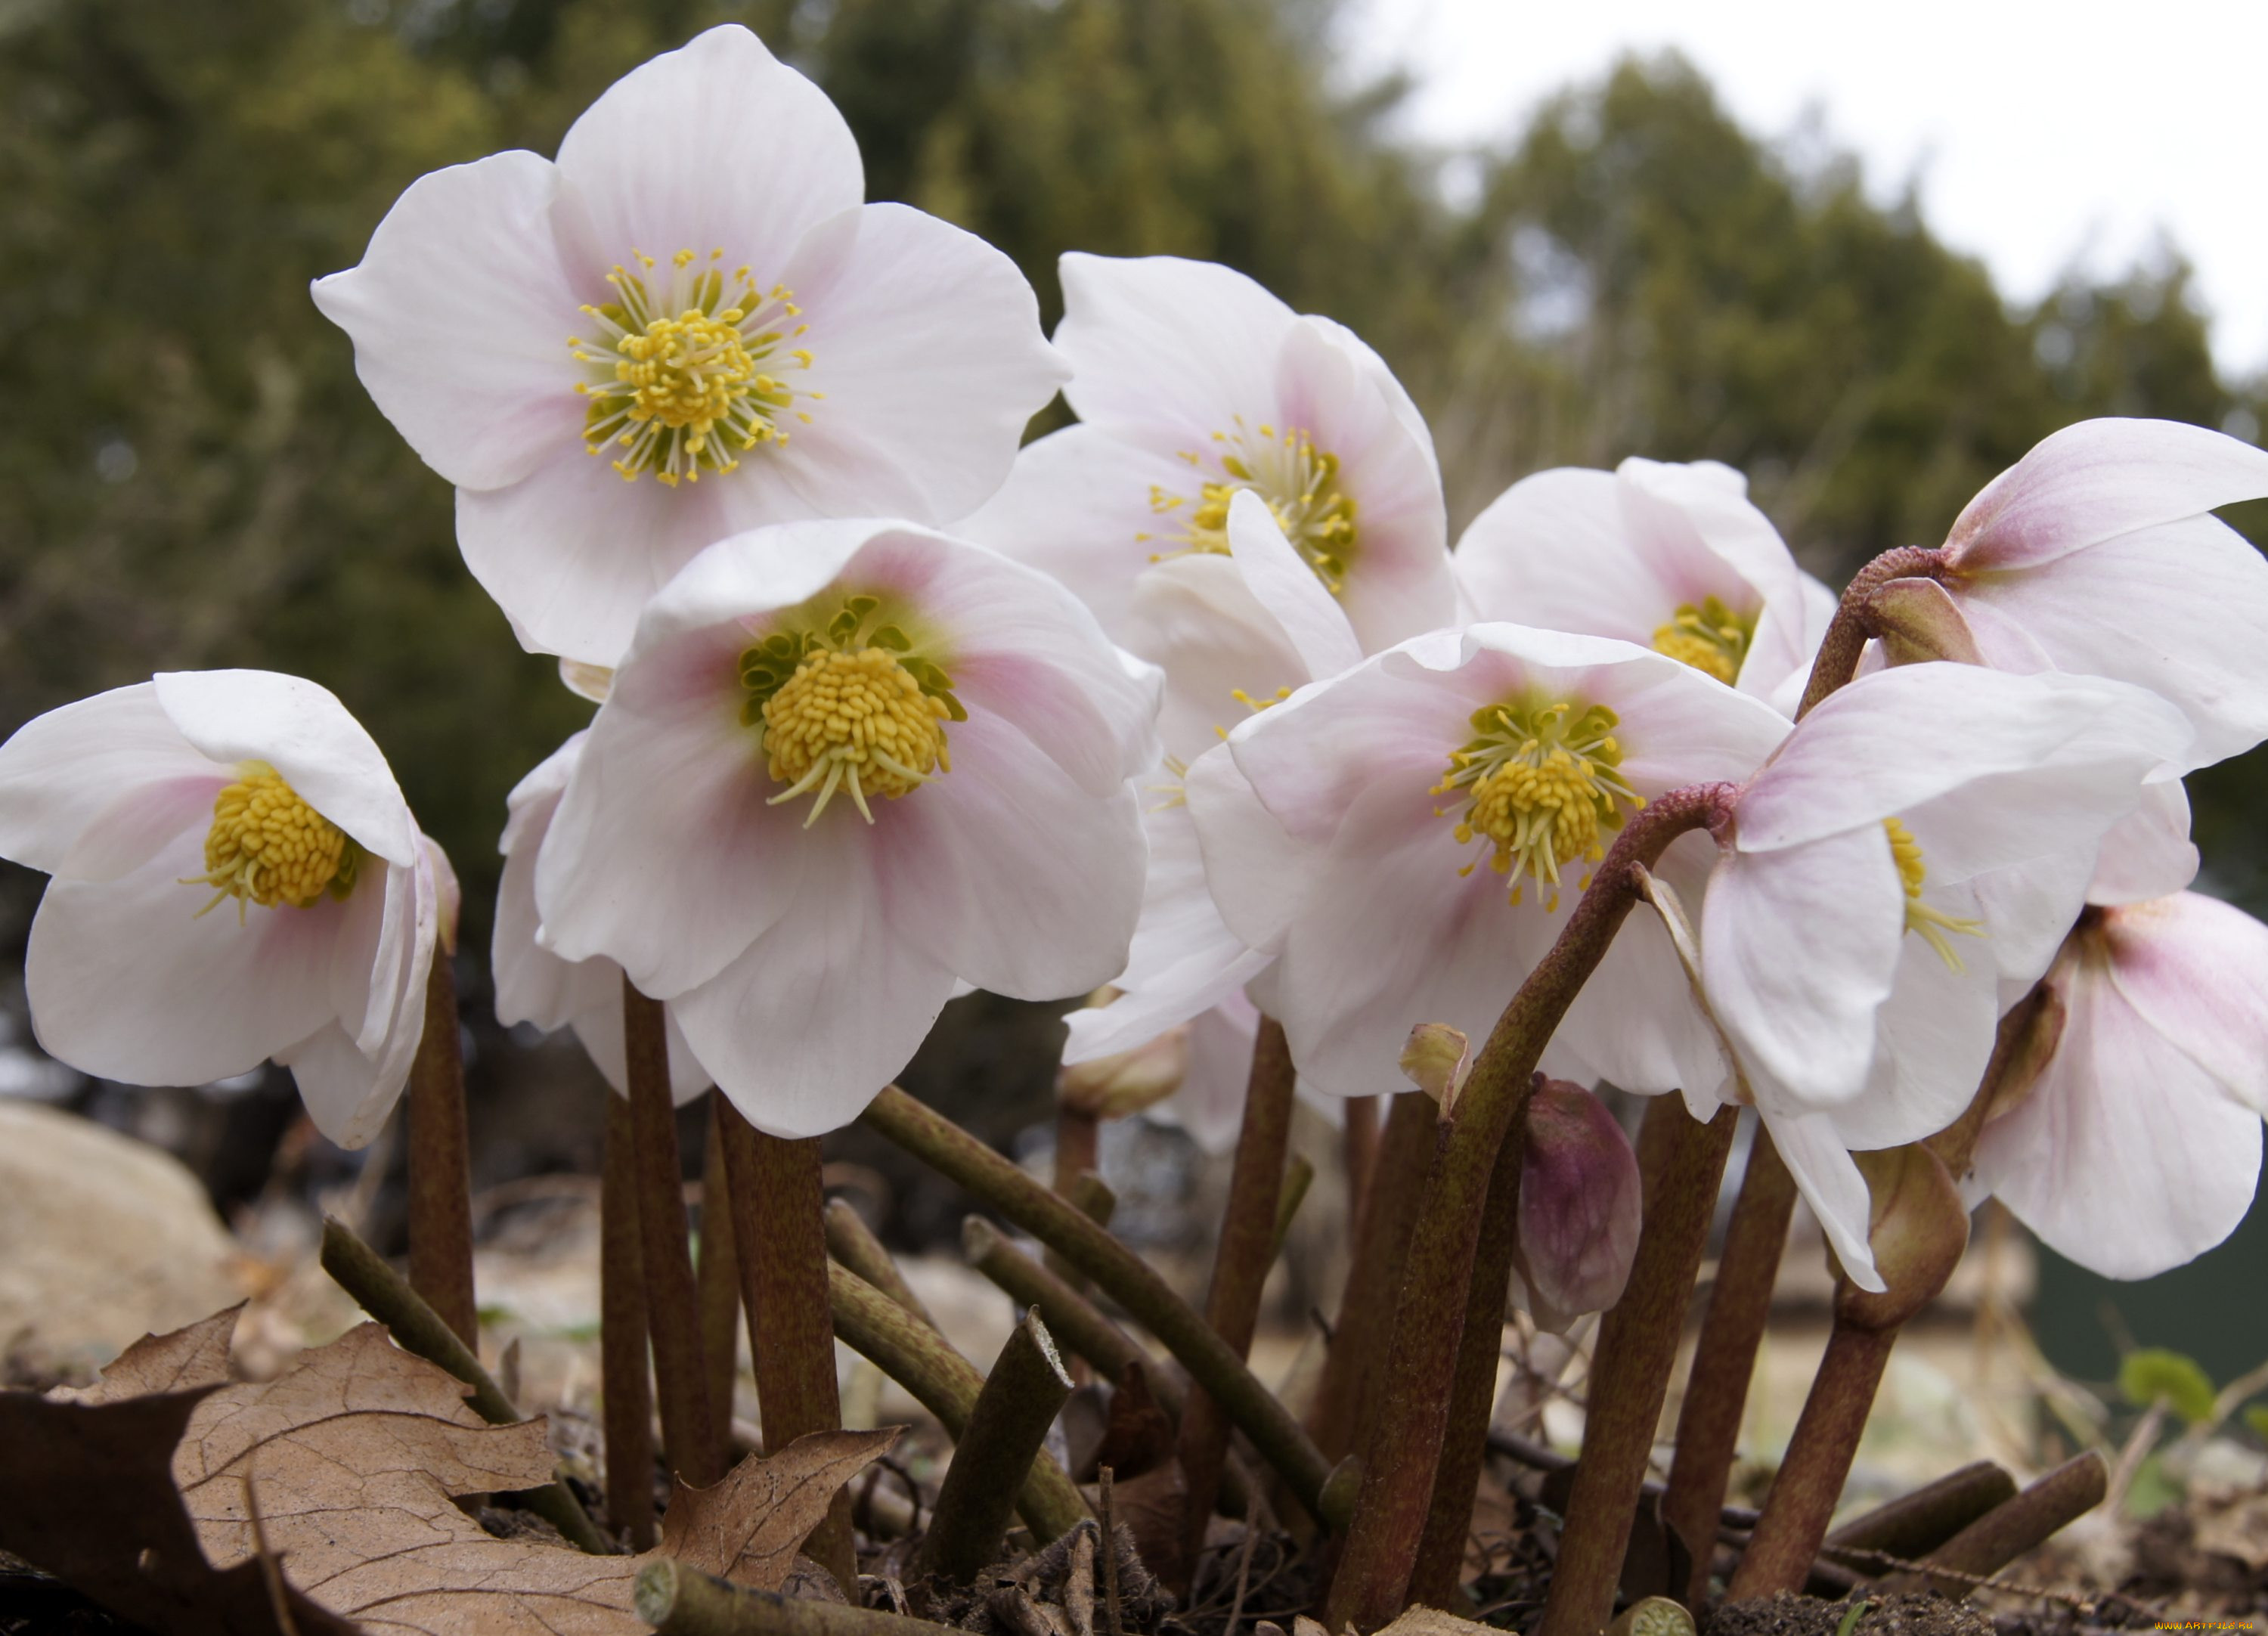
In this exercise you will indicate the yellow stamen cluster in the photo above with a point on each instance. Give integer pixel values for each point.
(1299, 482)
(268, 846)
(1931, 923)
(855, 720)
(1712, 638)
(1542, 788)
(687, 373)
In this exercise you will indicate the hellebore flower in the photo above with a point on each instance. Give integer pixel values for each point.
(2135, 1145)
(687, 327)
(1579, 1206)
(1193, 385)
(1670, 558)
(842, 765)
(2097, 553)
(535, 985)
(1407, 838)
(237, 878)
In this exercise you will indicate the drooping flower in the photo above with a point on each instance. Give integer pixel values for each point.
(536, 986)
(687, 327)
(1671, 557)
(236, 878)
(842, 765)
(1194, 385)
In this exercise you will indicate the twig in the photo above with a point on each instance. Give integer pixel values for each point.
(1926, 1519)
(440, 1167)
(992, 1459)
(387, 1296)
(852, 1242)
(681, 1601)
(1243, 1576)
(625, 1383)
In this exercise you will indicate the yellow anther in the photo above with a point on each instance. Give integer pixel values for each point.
(855, 720)
(1712, 638)
(268, 846)
(1540, 788)
(1930, 925)
(1299, 483)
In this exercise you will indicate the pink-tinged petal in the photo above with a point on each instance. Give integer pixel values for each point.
(533, 984)
(716, 145)
(664, 854)
(1006, 872)
(1799, 948)
(760, 570)
(1210, 1105)
(1831, 1183)
(127, 981)
(2148, 853)
(1282, 584)
(1258, 872)
(1551, 551)
(926, 342)
(1678, 726)
(461, 313)
(2176, 608)
(1933, 1037)
(823, 1010)
(2101, 478)
(1398, 581)
(2127, 1156)
(1892, 742)
(1374, 369)
(2195, 969)
(1636, 1023)
(1704, 537)
(2027, 909)
(1171, 350)
(91, 790)
(1197, 618)
(1077, 506)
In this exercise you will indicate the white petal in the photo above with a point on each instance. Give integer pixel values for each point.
(306, 735)
(2196, 970)
(349, 1089)
(2148, 853)
(1636, 1022)
(599, 1029)
(91, 790)
(461, 313)
(533, 984)
(1933, 1038)
(1197, 617)
(926, 342)
(1288, 589)
(1173, 349)
(1210, 1105)
(716, 145)
(2100, 478)
(1551, 551)
(1831, 1183)
(1257, 871)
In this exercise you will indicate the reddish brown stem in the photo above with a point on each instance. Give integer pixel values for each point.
(1849, 631)
(2011, 1529)
(1079, 1154)
(625, 1390)
(778, 1203)
(1629, 1371)
(1359, 1151)
(1725, 1358)
(1239, 1268)
(688, 1435)
(1811, 1478)
(1405, 1444)
(718, 1273)
(440, 1163)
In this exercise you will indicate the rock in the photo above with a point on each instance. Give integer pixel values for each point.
(103, 1238)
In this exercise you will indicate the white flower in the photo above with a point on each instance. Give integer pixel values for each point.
(535, 985)
(1192, 385)
(2137, 1146)
(1407, 836)
(842, 765)
(2096, 553)
(1670, 558)
(694, 292)
(237, 878)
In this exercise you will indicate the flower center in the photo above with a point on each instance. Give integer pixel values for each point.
(687, 372)
(1931, 923)
(1540, 787)
(268, 846)
(849, 705)
(1300, 483)
(1712, 638)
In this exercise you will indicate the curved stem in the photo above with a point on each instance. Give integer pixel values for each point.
(852, 1242)
(1847, 633)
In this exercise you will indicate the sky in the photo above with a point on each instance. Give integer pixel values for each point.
(2041, 136)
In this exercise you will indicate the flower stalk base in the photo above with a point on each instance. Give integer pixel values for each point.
(625, 1385)
(440, 1163)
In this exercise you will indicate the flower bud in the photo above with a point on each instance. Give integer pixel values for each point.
(1579, 1206)
(1917, 1225)
(1126, 1082)
(1919, 620)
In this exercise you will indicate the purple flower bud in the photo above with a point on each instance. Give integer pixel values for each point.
(1579, 1206)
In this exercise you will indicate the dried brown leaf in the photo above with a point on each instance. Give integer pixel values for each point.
(748, 1526)
(1140, 1438)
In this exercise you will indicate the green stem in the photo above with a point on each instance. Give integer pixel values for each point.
(440, 1162)
(1299, 1176)
(2011, 1529)
(625, 1380)
(1921, 1522)
(681, 1601)
(1848, 632)
(852, 1242)
(1630, 1369)
(1119, 1272)
(1074, 1320)
(1006, 1430)
(1406, 1445)
(1810, 1480)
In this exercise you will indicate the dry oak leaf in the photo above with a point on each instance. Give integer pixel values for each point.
(192, 1356)
(748, 1526)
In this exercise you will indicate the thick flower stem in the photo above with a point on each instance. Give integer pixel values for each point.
(1079, 1154)
(947, 1385)
(852, 1242)
(1811, 1477)
(1299, 1176)
(2011, 1529)
(1077, 1322)
(440, 1163)
(1849, 631)
(673, 1303)
(777, 1199)
(1359, 1151)
(718, 1273)
(1120, 1273)
(1007, 1426)
(1434, 1580)
(1356, 1358)
(1725, 1358)
(1630, 1369)
(1404, 1445)
(1240, 1264)
(625, 1386)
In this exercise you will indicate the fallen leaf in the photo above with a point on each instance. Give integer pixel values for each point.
(1138, 1437)
(194, 1356)
(748, 1526)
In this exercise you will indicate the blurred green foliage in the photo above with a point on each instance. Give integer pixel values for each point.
(191, 476)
